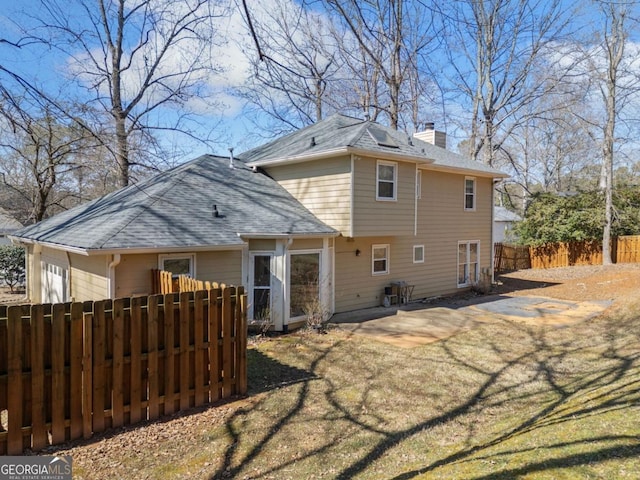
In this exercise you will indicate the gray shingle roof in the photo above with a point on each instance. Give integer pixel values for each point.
(342, 133)
(175, 209)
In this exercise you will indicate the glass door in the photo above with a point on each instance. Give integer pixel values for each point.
(260, 301)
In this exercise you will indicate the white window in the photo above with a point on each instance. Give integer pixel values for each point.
(418, 254)
(419, 184)
(380, 259)
(387, 179)
(178, 264)
(304, 282)
(468, 263)
(469, 193)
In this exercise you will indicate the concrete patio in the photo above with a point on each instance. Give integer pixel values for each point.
(419, 323)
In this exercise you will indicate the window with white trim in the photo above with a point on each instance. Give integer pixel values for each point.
(469, 193)
(418, 254)
(380, 259)
(178, 264)
(387, 180)
(468, 263)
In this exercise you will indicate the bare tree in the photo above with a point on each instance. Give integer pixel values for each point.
(615, 37)
(493, 48)
(297, 63)
(391, 37)
(39, 156)
(134, 59)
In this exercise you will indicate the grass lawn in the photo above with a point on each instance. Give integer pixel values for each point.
(501, 401)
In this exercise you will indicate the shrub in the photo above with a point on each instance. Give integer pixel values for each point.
(12, 267)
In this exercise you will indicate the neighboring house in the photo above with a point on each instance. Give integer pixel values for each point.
(336, 211)
(503, 220)
(8, 225)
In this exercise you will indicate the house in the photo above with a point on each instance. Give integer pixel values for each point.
(503, 220)
(8, 225)
(337, 211)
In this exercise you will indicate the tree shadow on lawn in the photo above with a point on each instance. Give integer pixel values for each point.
(569, 379)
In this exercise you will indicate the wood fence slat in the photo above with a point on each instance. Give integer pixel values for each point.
(38, 415)
(169, 365)
(227, 352)
(99, 334)
(76, 374)
(152, 355)
(87, 375)
(214, 316)
(136, 360)
(117, 402)
(185, 371)
(14, 381)
(199, 367)
(58, 340)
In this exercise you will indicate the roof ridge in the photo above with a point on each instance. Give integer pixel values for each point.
(176, 173)
(359, 132)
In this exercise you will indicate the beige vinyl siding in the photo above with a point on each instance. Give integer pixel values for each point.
(442, 222)
(89, 277)
(265, 245)
(323, 186)
(307, 244)
(133, 274)
(355, 286)
(383, 217)
(221, 267)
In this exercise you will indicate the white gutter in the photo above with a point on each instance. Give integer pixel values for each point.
(112, 275)
(285, 236)
(125, 251)
(323, 154)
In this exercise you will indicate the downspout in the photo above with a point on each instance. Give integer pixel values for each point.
(112, 274)
(493, 246)
(35, 295)
(285, 286)
(69, 290)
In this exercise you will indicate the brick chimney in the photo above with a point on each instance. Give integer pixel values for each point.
(432, 136)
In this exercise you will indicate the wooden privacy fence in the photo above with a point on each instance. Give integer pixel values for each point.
(71, 370)
(624, 249)
(164, 282)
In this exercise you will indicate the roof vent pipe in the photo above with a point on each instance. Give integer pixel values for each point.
(216, 212)
(231, 158)
(313, 141)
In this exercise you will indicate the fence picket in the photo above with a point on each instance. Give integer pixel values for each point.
(117, 402)
(14, 371)
(169, 355)
(76, 380)
(185, 371)
(152, 357)
(58, 380)
(227, 352)
(199, 361)
(69, 367)
(136, 361)
(38, 416)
